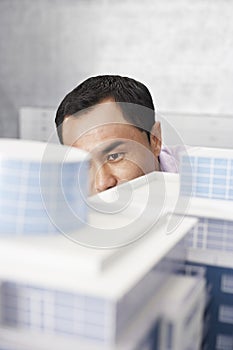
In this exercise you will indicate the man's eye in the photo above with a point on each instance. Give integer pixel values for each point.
(115, 157)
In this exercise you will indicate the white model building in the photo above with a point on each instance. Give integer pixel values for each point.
(42, 188)
(208, 174)
(61, 291)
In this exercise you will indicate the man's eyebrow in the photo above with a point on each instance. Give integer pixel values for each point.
(110, 147)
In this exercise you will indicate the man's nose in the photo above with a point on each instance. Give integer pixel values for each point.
(104, 179)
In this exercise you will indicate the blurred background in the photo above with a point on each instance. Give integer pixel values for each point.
(182, 50)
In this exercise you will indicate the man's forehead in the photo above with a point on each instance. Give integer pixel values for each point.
(103, 135)
(102, 118)
(101, 146)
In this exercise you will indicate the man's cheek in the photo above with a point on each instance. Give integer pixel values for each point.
(92, 176)
(128, 170)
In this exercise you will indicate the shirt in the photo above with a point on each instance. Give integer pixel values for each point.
(169, 158)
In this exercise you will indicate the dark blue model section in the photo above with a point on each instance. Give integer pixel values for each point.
(218, 332)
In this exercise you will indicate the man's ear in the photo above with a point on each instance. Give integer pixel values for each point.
(156, 139)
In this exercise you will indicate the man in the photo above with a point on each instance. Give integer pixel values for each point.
(113, 118)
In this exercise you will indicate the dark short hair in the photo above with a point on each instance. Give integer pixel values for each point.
(132, 96)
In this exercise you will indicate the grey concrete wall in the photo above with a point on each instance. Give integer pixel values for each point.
(182, 49)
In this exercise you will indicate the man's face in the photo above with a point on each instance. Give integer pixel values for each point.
(119, 151)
